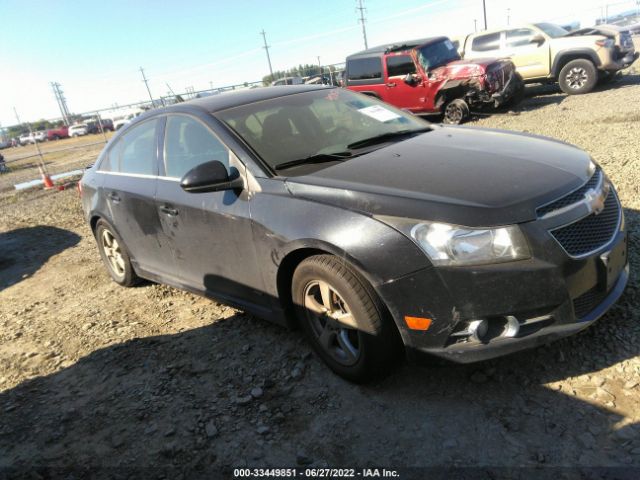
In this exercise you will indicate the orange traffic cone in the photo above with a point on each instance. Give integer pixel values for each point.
(46, 179)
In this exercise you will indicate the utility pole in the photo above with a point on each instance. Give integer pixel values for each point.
(319, 65)
(362, 20)
(266, 49)
(144, 79)
(475, 25)
(484, 9)
(508, 16)
(62, 103)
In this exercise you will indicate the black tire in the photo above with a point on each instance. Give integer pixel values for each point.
(518, 93)
(578, 77)
(375, 340)
(456, 112)
(123, 274)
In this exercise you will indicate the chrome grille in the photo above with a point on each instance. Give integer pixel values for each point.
(573, 197)
(592, 232)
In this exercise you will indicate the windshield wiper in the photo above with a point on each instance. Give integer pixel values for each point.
(386, 136)
(317, 158)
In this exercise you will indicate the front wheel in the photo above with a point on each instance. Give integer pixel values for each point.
(578, 77)
(456, 112)
(343, 319)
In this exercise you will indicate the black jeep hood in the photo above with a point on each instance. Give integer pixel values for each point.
(461, 175)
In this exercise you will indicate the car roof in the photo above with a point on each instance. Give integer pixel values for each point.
(394, 47)
(232, 99)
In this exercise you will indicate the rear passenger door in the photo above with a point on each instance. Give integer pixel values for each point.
(485, 45)
(210, 233)
(130, 176)
(531, 59)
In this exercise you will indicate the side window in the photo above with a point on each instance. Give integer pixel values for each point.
(400, 65)
(519, 37)
(364, 68)
(136, 151)
(486, 43)
(188, 143)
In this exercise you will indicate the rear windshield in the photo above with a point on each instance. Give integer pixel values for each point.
(554, 31)
(364, 68)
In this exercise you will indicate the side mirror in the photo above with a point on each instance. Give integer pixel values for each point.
(411, 79)
(210, 177)
(538, 39)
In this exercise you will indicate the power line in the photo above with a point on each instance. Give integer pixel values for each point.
(362, 21)
(266, 48)
(144, 79)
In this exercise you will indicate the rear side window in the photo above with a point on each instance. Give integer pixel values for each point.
(189, 143)
(135, 152)
(485, 43)
(519, 37)
(400, 65)
(364, 68)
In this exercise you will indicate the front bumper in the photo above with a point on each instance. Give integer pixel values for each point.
(544, 295)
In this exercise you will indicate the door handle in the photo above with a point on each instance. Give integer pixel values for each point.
(391, 84)
(172, 212)
(113, 196)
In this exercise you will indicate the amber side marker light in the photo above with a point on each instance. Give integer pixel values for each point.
(417, 323)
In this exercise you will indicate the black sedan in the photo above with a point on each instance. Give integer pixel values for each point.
(373, 230)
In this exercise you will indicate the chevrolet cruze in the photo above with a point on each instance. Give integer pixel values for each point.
(371, 229)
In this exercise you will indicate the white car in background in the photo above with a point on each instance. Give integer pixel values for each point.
(77, 130)
(121, 122)
(26, 138)
(40, 136)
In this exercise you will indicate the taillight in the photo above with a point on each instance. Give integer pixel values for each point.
(607, 43)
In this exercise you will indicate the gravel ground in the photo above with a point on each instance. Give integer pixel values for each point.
(94, 376)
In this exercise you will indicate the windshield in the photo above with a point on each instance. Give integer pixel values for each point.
(437, 54)
(554, 31)
(318, 122)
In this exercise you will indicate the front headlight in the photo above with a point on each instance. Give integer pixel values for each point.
(455, 245)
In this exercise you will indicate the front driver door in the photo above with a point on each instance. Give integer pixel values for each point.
(399, 93)
(210, 233)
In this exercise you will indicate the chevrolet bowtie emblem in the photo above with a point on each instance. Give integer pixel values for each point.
(595, 198)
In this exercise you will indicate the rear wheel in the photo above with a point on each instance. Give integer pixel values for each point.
(343, 319)
(115, 255)
(456, 112)
(578, 77)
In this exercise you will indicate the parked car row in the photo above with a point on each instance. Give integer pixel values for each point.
(488, 69)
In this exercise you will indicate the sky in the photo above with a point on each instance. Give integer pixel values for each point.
(95, 49)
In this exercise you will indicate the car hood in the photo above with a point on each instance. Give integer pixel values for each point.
(461, 175)
(465, 68)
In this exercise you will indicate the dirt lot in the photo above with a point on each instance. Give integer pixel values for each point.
(94, 376)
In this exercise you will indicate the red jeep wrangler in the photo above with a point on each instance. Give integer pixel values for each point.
(428, 76)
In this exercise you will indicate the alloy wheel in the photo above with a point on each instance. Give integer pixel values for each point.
(577, 78)
(113, 253)
(328, 315)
